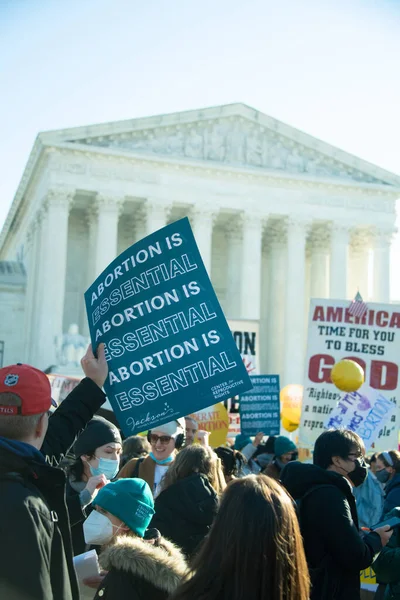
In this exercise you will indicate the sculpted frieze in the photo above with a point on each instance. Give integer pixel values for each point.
(234, 142)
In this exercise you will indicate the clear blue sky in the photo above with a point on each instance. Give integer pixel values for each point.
(329, 67)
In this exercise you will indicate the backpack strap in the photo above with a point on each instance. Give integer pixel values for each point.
(137, 467)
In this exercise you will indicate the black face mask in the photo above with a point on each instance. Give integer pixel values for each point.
(359, 475)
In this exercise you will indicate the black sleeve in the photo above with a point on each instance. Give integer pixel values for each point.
(25, 548)
(340, 535)
(118, 585)
(70, 418)
(75, 511)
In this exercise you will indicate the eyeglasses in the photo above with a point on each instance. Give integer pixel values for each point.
(163, 439)
(357, 456)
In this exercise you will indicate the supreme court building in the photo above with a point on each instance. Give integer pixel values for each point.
(279, 217)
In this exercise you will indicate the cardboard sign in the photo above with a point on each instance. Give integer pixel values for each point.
(168, 345)
(372, 340)
(246, 336)
(215, 420)
(260, 407)
(365, 412)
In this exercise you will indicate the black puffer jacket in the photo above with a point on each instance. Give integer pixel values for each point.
(138, 570)
(335, 550)
(35, 540)
(185, 512)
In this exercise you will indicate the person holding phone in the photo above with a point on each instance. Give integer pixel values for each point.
(336, 551)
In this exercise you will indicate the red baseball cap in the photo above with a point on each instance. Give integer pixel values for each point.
(30, 385)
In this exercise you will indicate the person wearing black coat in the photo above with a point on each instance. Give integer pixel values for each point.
(35, 550)
(335, 550)
(189, 498)
(139, 570)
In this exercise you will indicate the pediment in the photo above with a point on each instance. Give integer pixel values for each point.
(234, 135)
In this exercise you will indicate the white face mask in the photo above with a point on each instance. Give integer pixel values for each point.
(97, 529)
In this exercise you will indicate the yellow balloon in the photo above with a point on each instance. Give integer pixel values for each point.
(347, 376)
(291, 398)
(289, 425)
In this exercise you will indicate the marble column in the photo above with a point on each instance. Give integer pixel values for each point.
(202, 220)
(31, 266)
(381, 279)
(156, 215)
(250, 286)
(294, 305)
(91, 222)
(338, 264)
(108, 212)
(319, 263)
(51, 277)
(276, 235)
(262, 359)
(358, 280)
(235, 239)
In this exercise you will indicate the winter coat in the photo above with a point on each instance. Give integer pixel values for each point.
(369, 501)
(37, 533)
(35, 541)
(185, 512)
(392, 495)
(387, 565)
(65, 424)
(335, 550)
(138, 570)
(138, 467)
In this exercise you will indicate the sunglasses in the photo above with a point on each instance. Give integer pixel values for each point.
(163, 439)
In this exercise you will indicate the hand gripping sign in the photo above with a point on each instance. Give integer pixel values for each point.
(169, 348)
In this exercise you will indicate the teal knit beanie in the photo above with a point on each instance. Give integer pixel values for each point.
(283, 445)
(241, 441)
(130, 500)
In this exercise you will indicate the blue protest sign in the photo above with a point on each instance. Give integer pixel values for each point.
(260, 407)
(169, 348)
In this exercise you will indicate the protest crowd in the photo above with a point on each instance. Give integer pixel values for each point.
(87, 514)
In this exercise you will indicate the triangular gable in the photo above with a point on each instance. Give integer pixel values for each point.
(234, 135)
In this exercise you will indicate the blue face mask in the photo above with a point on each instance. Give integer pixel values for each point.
(107, 467)
(161, 462)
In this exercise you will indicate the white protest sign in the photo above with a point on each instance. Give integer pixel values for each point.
(247, 335)
(365, 412)
(333, 335)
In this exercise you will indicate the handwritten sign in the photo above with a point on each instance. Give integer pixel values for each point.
(260, 407)
(365, 412)
(372, 340)
(168, 345)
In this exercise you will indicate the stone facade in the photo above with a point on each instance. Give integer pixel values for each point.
(278, 215)
(12, 311)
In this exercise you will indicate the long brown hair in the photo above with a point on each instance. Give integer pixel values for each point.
(196, 459)
(254, 549)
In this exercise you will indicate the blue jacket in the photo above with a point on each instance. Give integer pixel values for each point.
(392, 494)
(369, 501)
